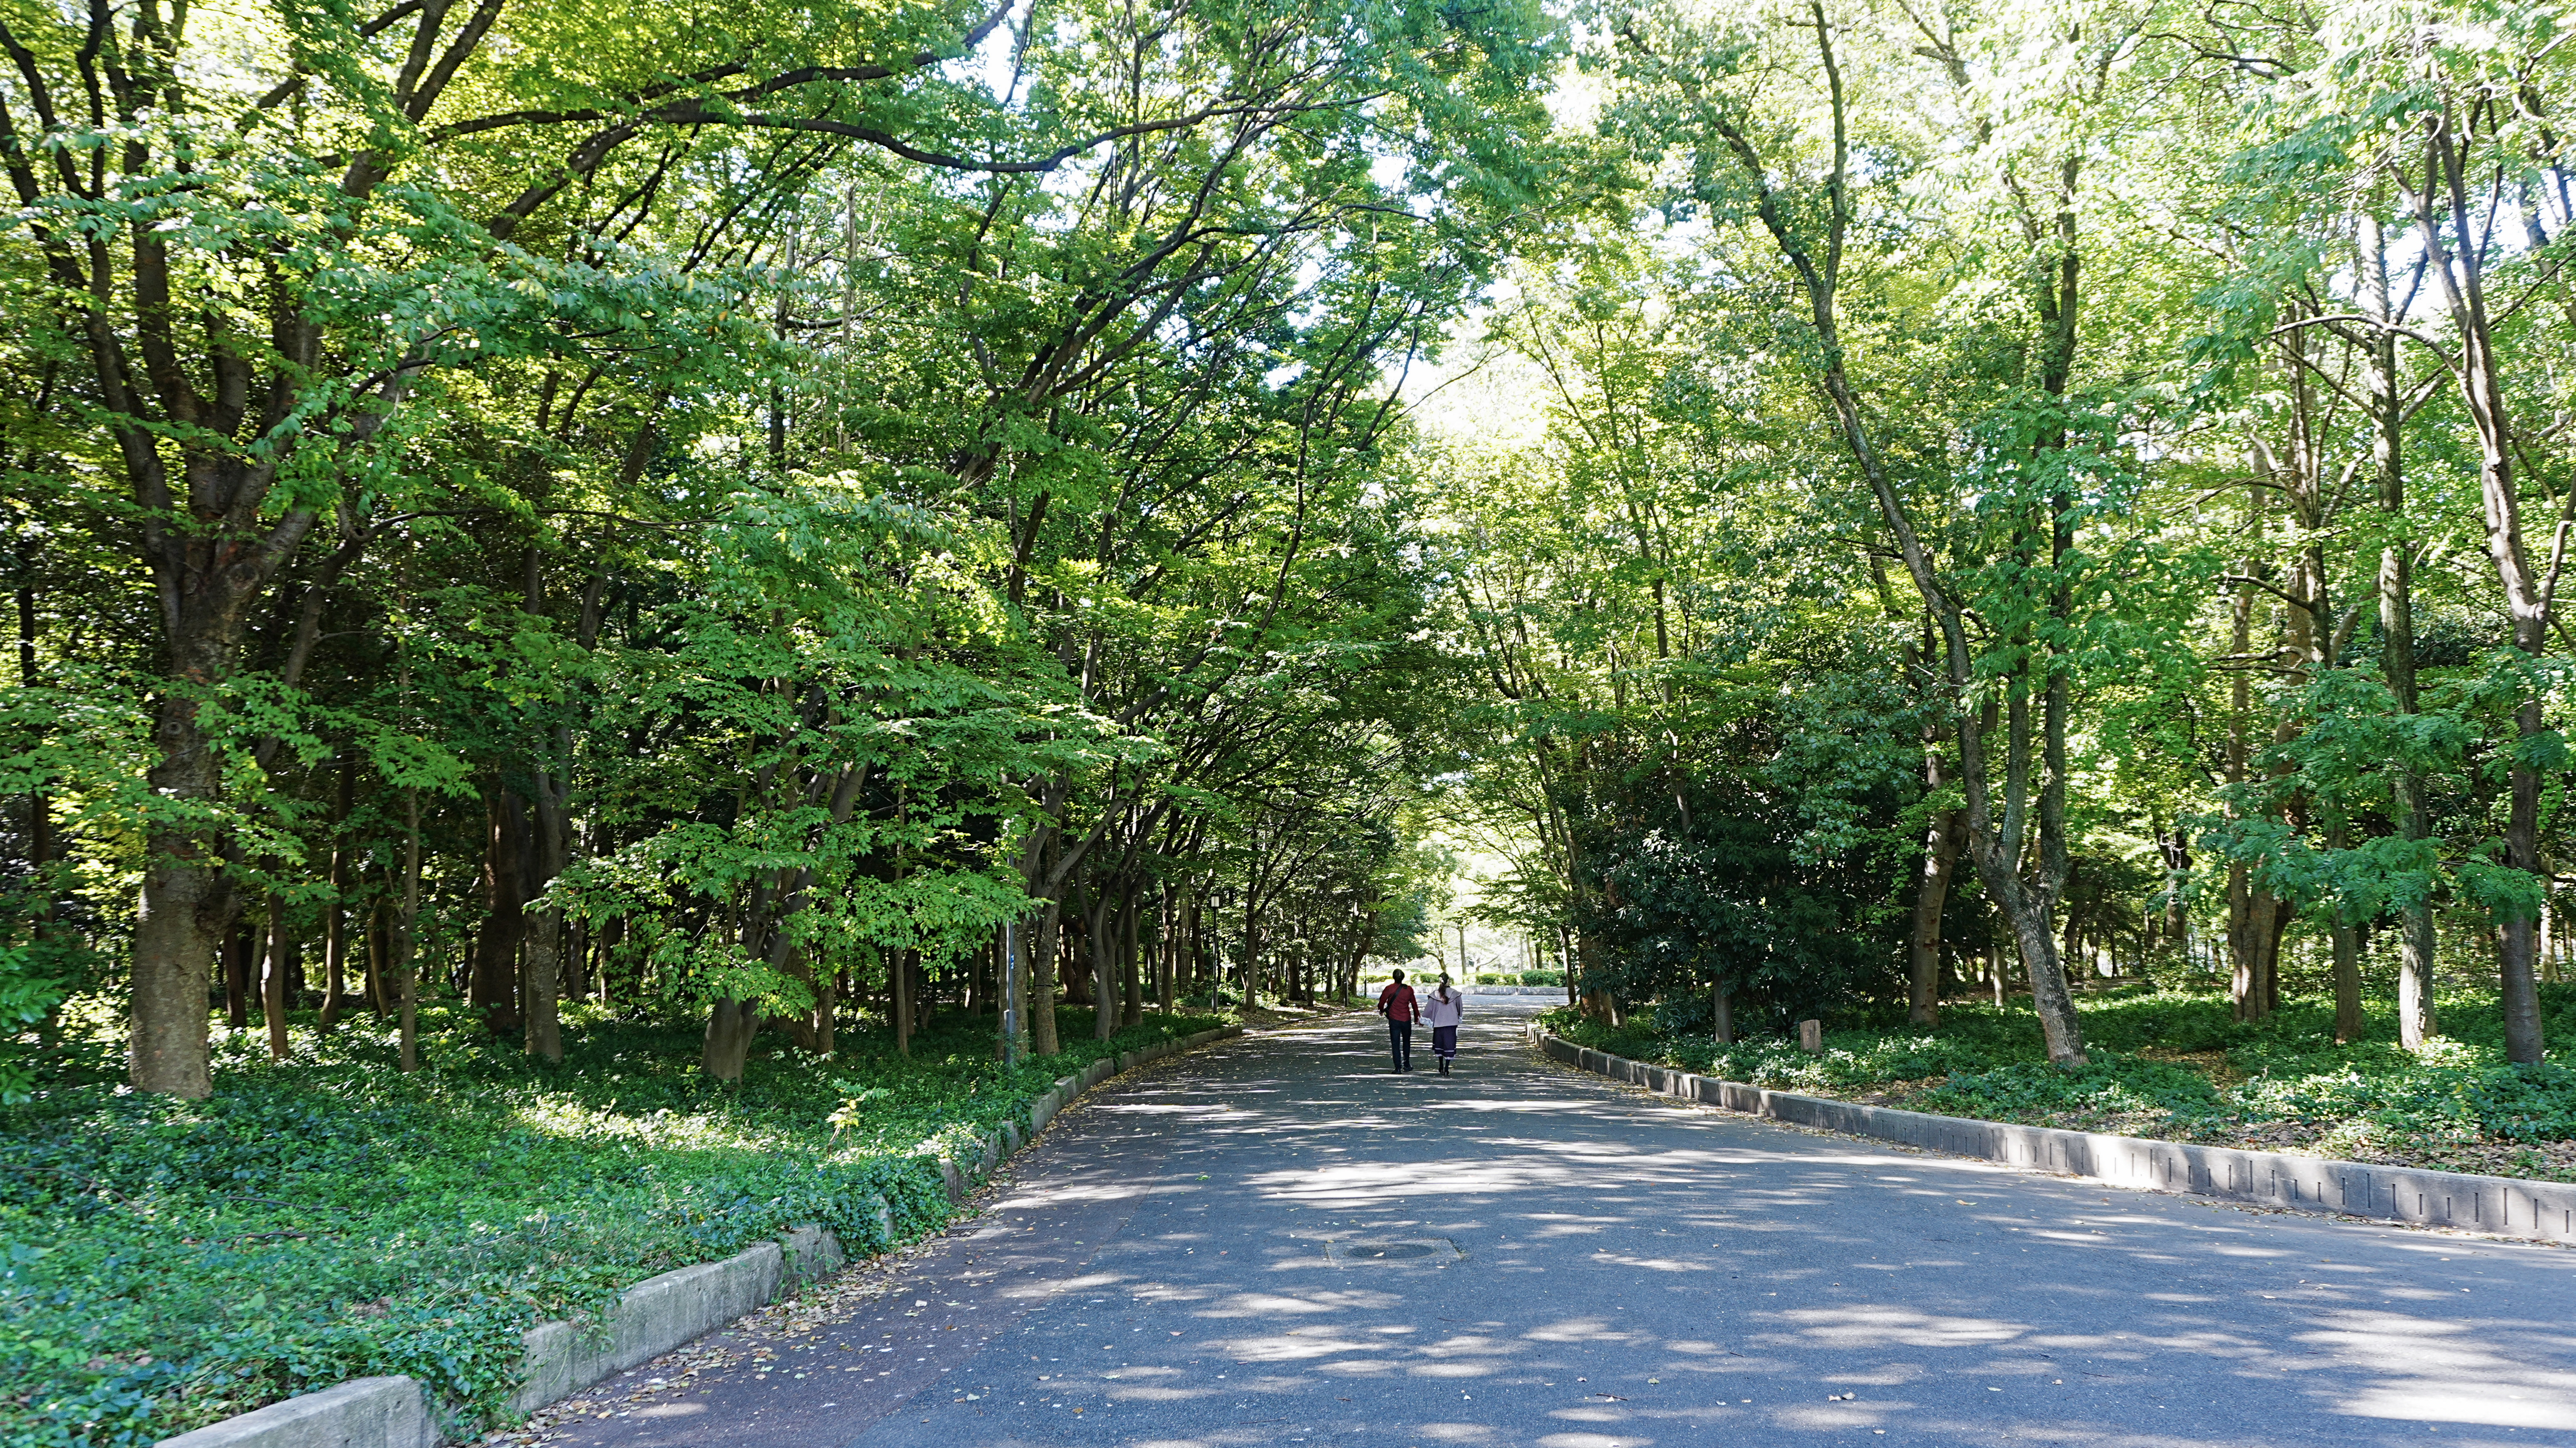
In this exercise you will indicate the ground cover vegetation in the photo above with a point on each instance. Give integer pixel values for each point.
(2032, 499)
(2175, 1065)
(332, 1217)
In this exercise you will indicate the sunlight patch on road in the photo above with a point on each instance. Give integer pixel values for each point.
(1594, 1440)
(1365, 1183)
(1047, 1287)
(1148, 1108)
(2405, 1350)
(1456, 1433)
(1857, 1327)
(1653, 1264)
(2428, 1404)
(1289, 1348)
(1077, 1192)
(1266, 1304)
(1576, 1329)
(1455, 1370)
(1128, 1393)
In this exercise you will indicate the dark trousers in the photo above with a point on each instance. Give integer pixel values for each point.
(1399, 1039)
(1444, 1042)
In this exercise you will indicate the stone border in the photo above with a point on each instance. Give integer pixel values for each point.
(652, 1317)
(2502, 1206)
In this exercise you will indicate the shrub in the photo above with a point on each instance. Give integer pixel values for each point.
(2172, 1063)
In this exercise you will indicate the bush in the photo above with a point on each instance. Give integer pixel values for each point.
(2171, 1063)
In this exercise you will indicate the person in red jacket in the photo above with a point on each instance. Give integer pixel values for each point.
(1398, 1005)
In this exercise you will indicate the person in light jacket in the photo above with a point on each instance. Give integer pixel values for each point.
(1442, 1009)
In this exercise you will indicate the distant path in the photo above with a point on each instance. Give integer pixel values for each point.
(1636, 1273)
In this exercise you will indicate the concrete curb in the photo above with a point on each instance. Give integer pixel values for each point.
(652, 1317)
(376, 1412)
(2505, 1206)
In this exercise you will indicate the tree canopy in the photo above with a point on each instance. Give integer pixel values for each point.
(786, 516)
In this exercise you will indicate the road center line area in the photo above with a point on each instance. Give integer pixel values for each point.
(1280, 1241)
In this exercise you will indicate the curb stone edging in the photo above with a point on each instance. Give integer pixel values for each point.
(377, 1412)
(2503, 1206)
(652, 1317)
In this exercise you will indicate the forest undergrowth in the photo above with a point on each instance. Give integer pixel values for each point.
(2175, 1065)
(171, 1262)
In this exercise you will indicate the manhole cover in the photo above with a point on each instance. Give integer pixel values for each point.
(1411, 1249)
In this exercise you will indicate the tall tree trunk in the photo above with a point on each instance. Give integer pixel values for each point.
(544, 928)
(2176, 850)
(1600, 1004)
(549, 841)
(576, 960)
(492, 992)
(335, 924)
(826, 1008)
(1251, 947)
(239, 957)
(1042, 1032)
(376, 975)
(2448, 194)
(1941, 840)
(186, 901)
(731, 1027)
(2346, 940)
(899, 987)
(1194, 944)
(611, 935)
(209, 580)
(406, 965)
(1131, 994)
(2251, 910)
(40, 809)
(272, 977)
(1100, 926)
(2415, 938)
(1168, 951)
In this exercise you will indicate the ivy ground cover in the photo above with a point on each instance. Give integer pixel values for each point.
(170, 1263)
(2174, 1065)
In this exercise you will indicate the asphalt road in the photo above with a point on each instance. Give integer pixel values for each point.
(1188, 1259)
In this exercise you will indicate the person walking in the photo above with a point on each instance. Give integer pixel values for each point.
(1399, 1005)
(1442, 1010)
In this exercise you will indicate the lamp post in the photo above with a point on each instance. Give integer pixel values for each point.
(1013, 1047)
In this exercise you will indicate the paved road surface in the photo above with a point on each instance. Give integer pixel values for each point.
(1181, 1262)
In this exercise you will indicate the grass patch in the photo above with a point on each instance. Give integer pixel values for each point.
(2174, 1065)
(171, 1263)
